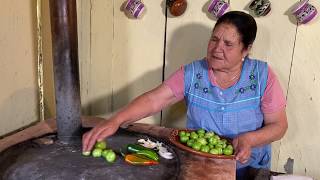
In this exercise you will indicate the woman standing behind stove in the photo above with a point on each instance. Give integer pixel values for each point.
(226, 92)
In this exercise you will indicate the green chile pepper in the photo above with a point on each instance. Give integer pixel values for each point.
(138, 149)
(135, 148)
(149, 153)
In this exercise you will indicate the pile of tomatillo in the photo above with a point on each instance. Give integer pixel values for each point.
(207, 142)
(100, 150)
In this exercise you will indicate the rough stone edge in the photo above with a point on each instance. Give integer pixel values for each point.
(49, 126)
(39, 129)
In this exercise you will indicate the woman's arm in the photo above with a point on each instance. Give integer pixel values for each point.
(275, 126)
(143, 106)
(273, 104)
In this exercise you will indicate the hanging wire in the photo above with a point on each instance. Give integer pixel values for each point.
(40, 62)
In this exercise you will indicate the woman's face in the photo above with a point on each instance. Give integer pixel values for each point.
(225, 49)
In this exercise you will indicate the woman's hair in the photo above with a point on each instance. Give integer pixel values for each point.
(245, 24)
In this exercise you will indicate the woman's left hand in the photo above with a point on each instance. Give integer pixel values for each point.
(242, 146)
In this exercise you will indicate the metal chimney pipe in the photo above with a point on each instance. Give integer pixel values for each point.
(63, 16)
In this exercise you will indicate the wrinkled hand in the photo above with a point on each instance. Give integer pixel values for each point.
(99, 132)
(242, 145)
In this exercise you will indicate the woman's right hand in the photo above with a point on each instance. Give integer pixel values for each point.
(145, 105)
(98, 133)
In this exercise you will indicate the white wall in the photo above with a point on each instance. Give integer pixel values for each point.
(120, 57)
(301, 140)
(18, 65)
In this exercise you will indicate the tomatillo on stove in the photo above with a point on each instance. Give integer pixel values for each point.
(105, 152)
(86, 153)
(101, 145)
(110, 156)
(97, 152)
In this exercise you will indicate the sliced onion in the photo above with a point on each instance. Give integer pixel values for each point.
(162, 151)
(148, 144)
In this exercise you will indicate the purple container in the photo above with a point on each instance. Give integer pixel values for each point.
(211, 5)
(223, 9)
(299, 7)
(307, 15)
(135, 7)
(218, 7)
(304, 12)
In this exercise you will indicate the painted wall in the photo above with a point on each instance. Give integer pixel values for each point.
(18, 65)
(301, 141)
(119, 57)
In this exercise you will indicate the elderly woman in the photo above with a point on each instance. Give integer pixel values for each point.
(226, 92)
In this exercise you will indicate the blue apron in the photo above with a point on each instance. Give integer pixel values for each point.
(228, 112)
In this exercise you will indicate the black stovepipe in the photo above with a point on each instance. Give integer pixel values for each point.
(63, 17)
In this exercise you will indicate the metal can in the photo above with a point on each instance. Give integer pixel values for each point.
(304, 12)
(135, 8)
(218, 8)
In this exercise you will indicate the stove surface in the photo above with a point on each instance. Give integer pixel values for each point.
(35, 161)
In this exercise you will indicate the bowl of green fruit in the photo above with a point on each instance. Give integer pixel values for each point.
(203, 143)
